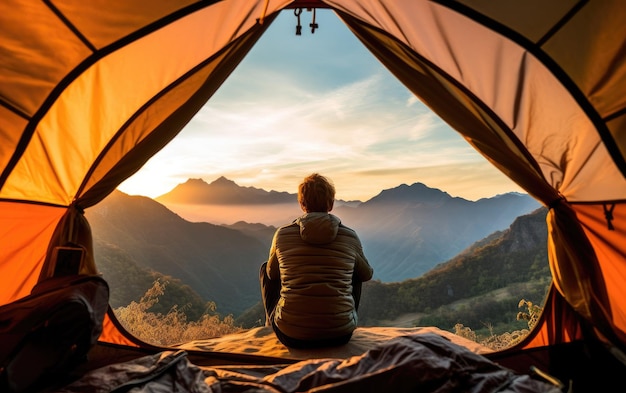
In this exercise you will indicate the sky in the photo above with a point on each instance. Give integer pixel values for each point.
(318, 102)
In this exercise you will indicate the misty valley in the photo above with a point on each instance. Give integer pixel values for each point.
(470, 267)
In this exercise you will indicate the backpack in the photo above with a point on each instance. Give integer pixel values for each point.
(48, 333)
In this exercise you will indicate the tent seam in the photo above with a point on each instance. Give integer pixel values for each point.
(29, 130)
(535, 48)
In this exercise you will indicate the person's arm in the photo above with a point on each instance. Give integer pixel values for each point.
(273, 270)
(362, 268)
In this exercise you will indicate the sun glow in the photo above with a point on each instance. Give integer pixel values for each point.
(282, 115)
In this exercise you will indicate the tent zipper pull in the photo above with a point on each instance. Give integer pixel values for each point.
(608, 214)
(313, 25)
(297, 13)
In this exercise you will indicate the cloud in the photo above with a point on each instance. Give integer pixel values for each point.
(318, 103)
(344, 131)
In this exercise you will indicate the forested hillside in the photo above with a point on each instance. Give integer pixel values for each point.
(218, 263)
(117, 267)
(482, 286)
(211, 268)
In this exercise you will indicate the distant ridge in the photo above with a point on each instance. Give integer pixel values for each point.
(405, 230)
(135, 236)
(220, 264)
(409, 194)
(222, 191)
(491, 276)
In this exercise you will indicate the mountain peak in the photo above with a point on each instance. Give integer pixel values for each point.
(222, 181)
(415, 193)
(222, 191)
(195, 182)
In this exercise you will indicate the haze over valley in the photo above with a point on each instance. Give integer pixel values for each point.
(406, 231)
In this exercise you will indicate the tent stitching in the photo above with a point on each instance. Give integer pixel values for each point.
(535, 49)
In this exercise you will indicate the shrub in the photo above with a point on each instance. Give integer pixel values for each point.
(505, 340)
(173, 327)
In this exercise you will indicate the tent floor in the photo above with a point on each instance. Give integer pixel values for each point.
(582, 366)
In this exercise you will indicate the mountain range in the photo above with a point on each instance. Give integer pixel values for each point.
(406, 231)
(222, 192)
(219, 263)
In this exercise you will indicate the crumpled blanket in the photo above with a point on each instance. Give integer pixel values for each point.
(420, 362)
(262, 341)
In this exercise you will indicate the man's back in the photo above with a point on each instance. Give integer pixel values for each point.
(311, 283)
(315, 258)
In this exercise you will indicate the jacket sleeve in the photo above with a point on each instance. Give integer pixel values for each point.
(362, 269)
(273, 269)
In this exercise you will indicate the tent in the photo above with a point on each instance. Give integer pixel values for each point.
(89, 91)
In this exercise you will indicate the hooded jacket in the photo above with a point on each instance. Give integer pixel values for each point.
(315, 258)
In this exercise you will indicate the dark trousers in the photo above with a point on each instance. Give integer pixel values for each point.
(270, 293)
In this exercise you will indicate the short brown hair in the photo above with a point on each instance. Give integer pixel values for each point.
(316, 193)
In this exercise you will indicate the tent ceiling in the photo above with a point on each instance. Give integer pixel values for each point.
(91, 90)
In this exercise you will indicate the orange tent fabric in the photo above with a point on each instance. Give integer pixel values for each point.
(91, 90)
